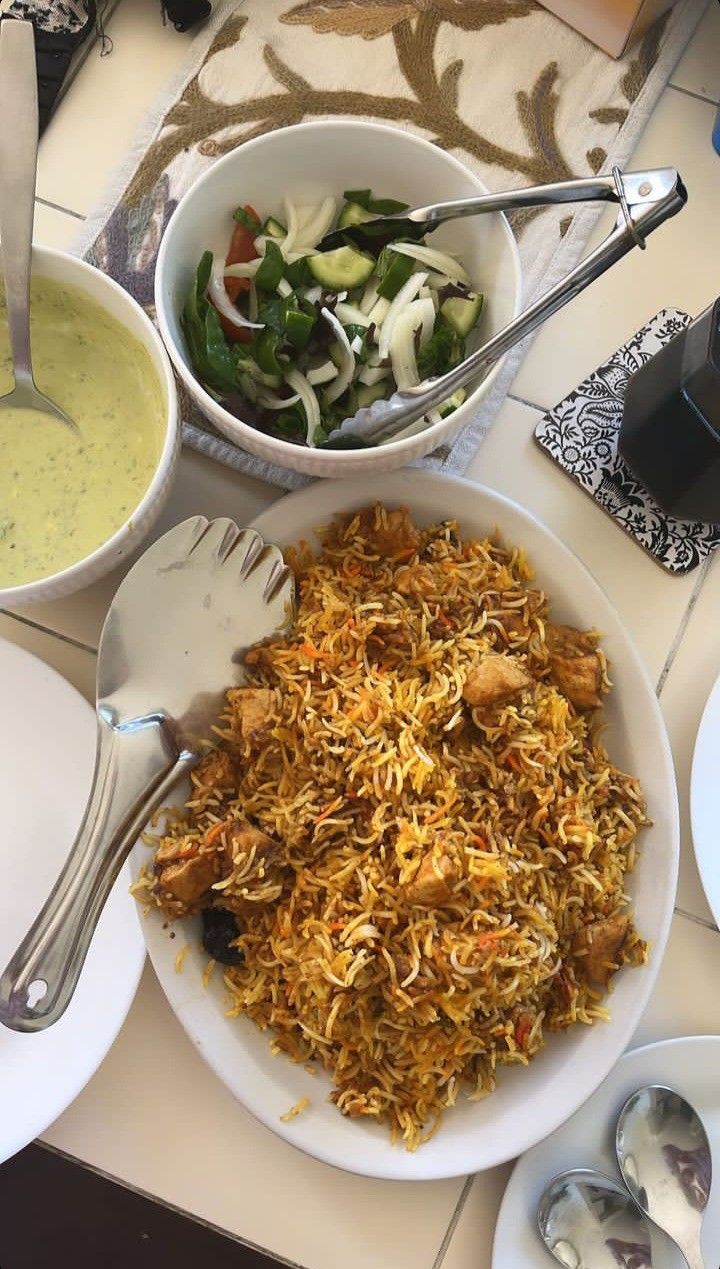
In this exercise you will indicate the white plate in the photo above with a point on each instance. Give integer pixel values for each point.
(689, 1065)
(529, 1103)
(47, 751)
(705, 800)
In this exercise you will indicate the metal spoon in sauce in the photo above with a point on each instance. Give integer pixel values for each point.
(588, 1221)
(18, 163)
(665, 1161)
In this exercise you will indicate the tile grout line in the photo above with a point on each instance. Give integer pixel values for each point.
(531, 405)
(452, 1224)
(170, 1207)
(705, 922)
(683, 625)
(46, 202)
(47, 630)
(688, 92)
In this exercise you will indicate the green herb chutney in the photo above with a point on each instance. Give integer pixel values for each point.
(62, 494)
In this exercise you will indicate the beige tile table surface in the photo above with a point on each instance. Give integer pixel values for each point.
(154, 1115)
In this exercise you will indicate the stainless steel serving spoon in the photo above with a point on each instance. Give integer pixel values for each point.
(18, 164)
(665, 1160)
(588, 1221)
(173, 641)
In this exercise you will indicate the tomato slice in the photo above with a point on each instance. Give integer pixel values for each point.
(242, 250)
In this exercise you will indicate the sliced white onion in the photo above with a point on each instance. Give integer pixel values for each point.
(313, 295)
(351, 315)
(436, 281)
(346, 369)
(356, 345)
(288, 243)
(417, 316)
(370, 294)
(373, 374)
(271, 402)
(310, 403)
(260, 244)
(322, 374)
(315, 225)
(374, 359)
(284, 288)
(221, 300)
(404, 296)
(245, 270)
(377, 315)
(434, 259)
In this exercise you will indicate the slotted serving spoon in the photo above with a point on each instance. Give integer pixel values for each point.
(172, 643)
(18, 163)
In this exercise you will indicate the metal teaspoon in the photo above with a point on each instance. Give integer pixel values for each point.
(588, 1221)
(665, 1161)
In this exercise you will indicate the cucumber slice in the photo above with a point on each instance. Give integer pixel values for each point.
(353, 214)
(342, 269)
(369, 392)
(274, 229)
(452, 403)
(462, 314)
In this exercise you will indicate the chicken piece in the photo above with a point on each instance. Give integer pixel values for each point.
(416, 580)
(252, 707)
(391, 534)
(259, 655)
(494, 679)
(242, 837)
(576, 665)
(184, 883)
(431, 884)
(172, 850)
(214, 775)
(598, 947)
(518, 621)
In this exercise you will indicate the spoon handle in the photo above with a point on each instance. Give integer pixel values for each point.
(134, 773)
(18, 160)
(692, 1252)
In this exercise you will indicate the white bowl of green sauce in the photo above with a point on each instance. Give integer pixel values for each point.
(73, 505)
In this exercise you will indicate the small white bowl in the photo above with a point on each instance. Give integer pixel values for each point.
(60, 267)
(308, 162)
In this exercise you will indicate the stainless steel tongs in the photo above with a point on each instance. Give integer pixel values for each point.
(645, 199)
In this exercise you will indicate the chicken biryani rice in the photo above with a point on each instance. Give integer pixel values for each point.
(409, 845)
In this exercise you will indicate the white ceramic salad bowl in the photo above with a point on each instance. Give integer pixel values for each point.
(307, 163)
